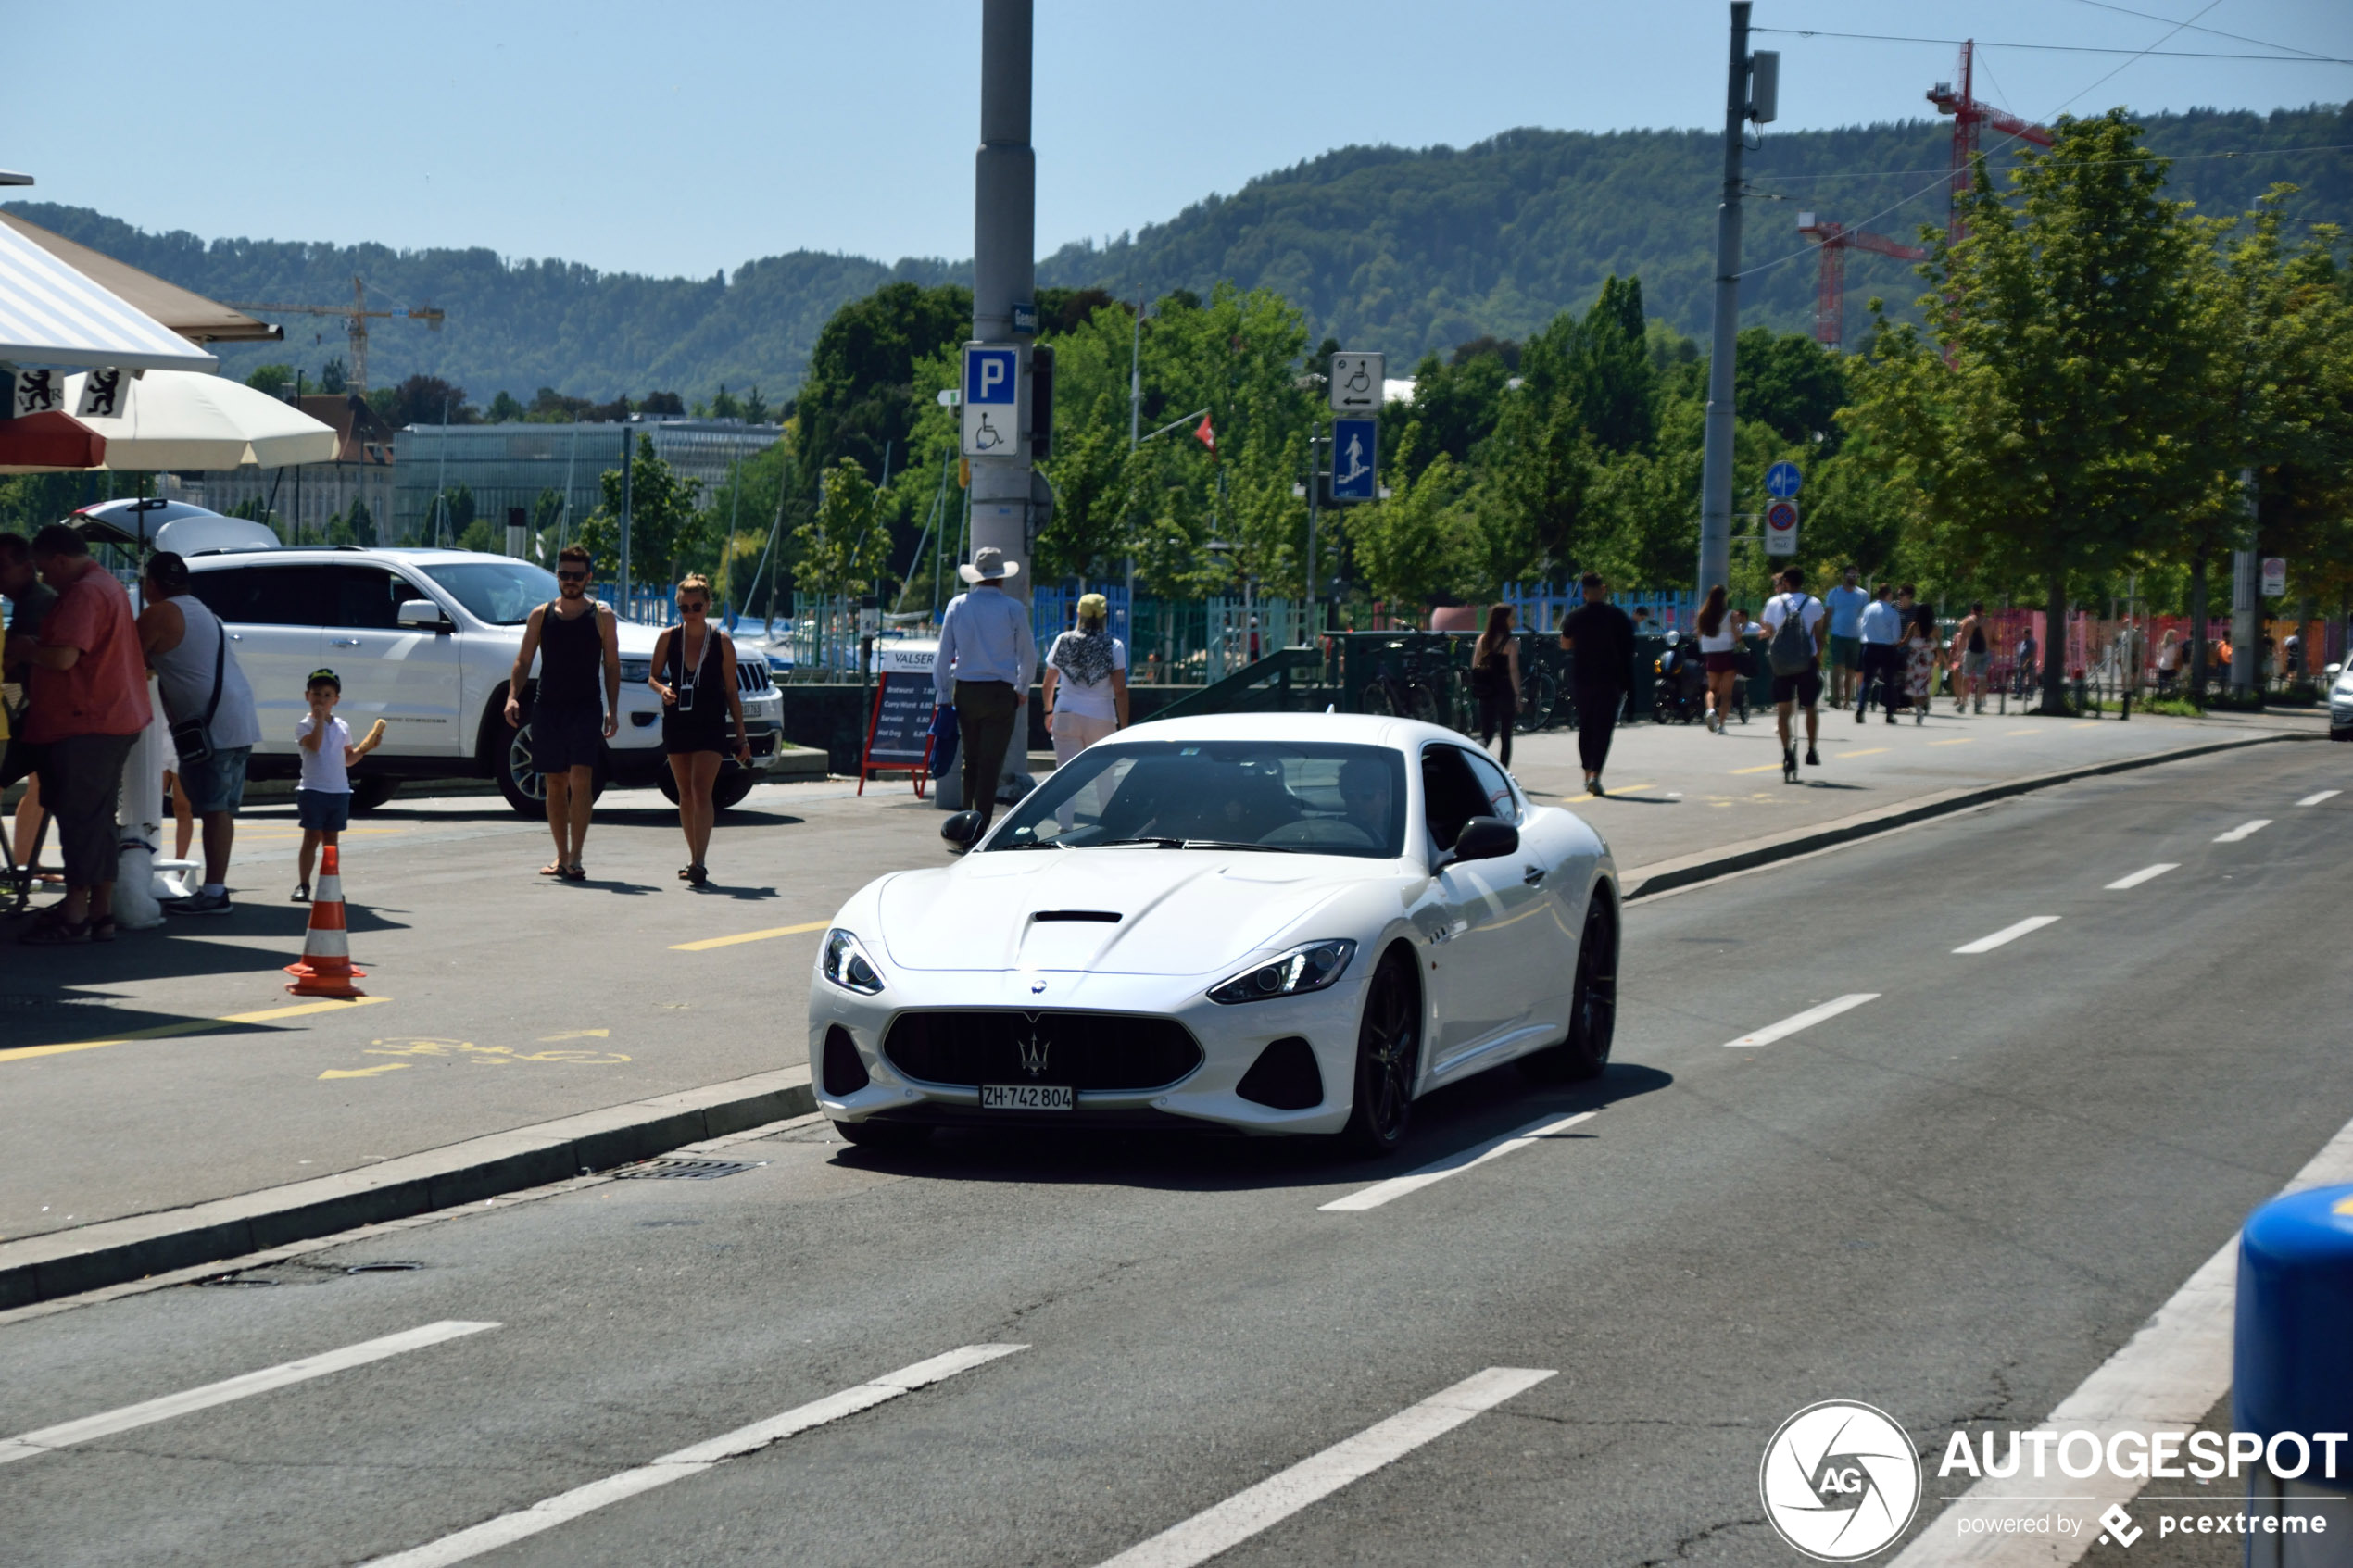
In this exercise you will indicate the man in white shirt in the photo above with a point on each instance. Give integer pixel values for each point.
(987, 657)
(1801, 684)
(1882, 628)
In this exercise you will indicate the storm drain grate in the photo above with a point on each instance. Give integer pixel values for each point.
(685, 1170)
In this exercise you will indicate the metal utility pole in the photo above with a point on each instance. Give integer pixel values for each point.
(2247, 646)
(626, 443)
(1004, 267)
(1751, 86)
(1315, 627)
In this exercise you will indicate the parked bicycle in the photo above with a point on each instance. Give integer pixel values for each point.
(1407, 686)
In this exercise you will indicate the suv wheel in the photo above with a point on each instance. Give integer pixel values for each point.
(371, 791)
(729, 789)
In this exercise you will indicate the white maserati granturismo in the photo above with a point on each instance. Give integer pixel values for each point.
(1261, 923)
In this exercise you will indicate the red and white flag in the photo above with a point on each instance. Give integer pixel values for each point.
(1208, 436)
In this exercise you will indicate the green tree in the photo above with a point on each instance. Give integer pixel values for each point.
(505, 409)
(275, 380)
(335, 377)
(666, 521)
(2063, 410)
(844, 547)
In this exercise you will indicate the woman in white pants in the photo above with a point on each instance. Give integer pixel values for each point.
(1085, 682)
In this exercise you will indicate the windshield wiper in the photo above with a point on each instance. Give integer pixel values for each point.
(1155, 843)
(1228, 844)
(1034, 844)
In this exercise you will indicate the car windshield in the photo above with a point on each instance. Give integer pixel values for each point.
(1273, 796)
(500, 591)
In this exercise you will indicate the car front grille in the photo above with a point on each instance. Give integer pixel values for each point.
(751, 675)
(1086, 1050)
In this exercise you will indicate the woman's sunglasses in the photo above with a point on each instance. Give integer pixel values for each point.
(695, 607)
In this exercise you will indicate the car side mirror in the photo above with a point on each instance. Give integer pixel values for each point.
(2333, 669)
(1483, 839)
(422, 615)
(961, 829)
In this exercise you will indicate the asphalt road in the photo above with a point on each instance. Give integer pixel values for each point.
(1953, 1201)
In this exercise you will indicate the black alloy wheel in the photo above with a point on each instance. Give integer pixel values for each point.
(1592, 1006)
(1388, 1054)
(511, 770)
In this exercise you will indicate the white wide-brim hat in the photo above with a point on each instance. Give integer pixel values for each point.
(989, 562)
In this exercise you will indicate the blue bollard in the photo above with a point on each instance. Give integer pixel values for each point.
(2292, 1371)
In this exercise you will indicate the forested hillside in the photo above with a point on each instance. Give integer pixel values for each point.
(1406, 250)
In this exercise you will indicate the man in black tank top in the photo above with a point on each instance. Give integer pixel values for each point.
(575, 641)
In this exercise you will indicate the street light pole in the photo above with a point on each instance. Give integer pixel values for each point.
(1004, 267)
(1715, 464)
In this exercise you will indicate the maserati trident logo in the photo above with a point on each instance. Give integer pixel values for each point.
(1033, 1046)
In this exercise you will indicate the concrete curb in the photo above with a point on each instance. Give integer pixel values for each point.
(1668, 875)
(43, 1268)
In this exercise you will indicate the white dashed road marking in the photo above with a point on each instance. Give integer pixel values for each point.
(2316, 799)
(547, 1514)
(1454, 1164)
(2007, 933)
(2147, 873)
(2244, 830)
(1312, 1479)
(242, 1387)
(1806, 1019)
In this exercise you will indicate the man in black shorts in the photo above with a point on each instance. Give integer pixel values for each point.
(569, 722)
(1601, 640)
(1803, 685)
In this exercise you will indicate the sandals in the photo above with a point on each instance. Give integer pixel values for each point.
(685, 873)
(697, 874)
(553, 868)
(57, 934)
(574, 872)
(102, 928)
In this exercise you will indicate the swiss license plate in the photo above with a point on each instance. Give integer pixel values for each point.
(1028, 1096)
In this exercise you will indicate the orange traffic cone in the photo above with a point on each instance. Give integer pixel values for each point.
(325, 969)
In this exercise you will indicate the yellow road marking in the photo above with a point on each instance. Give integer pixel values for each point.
(709, 942)
(1761, 768)
(190, 1026)
(1962, 741)
(2087, 724)
(1867, 751)
(2025, 731)
(366, 1072)
(1614, 790)
(576, 1035)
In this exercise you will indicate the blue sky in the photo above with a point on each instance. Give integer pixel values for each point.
(689, 137)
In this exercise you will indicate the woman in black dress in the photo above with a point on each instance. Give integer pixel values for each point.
(694, 673)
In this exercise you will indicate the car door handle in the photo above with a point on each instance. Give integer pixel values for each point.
(343, 642)
(236, 637)
(1532, 875)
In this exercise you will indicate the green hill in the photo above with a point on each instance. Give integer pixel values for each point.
(1406, 250)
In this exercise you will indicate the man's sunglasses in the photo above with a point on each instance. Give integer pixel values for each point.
(572, 576)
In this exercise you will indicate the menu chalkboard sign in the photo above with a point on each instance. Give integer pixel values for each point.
(899, 731)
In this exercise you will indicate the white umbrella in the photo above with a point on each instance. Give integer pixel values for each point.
(182, 420)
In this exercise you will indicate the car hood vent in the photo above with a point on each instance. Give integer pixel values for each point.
(1101, 916)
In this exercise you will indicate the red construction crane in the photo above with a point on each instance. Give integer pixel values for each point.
(1836, 240)
(1969, 117)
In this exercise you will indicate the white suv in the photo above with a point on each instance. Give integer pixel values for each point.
(425, 640)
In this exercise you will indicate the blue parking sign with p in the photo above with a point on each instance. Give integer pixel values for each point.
(991, 375)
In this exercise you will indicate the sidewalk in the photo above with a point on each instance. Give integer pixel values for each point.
(1677, 791)
(170, 1071)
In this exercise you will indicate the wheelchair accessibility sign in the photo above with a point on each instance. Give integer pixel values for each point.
(991, 400)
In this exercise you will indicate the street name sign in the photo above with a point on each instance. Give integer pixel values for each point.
(2274, 576)
(991, 399)
(1356, 382)
(1781, 529)
(1781, 481)
(1355, 458)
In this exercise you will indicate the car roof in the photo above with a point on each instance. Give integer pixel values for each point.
(311, 555)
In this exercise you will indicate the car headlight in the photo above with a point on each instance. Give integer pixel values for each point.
(846, 964)
(1308, 968)
(636, 671)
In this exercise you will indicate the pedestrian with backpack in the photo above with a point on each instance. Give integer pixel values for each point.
(1793, 646)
